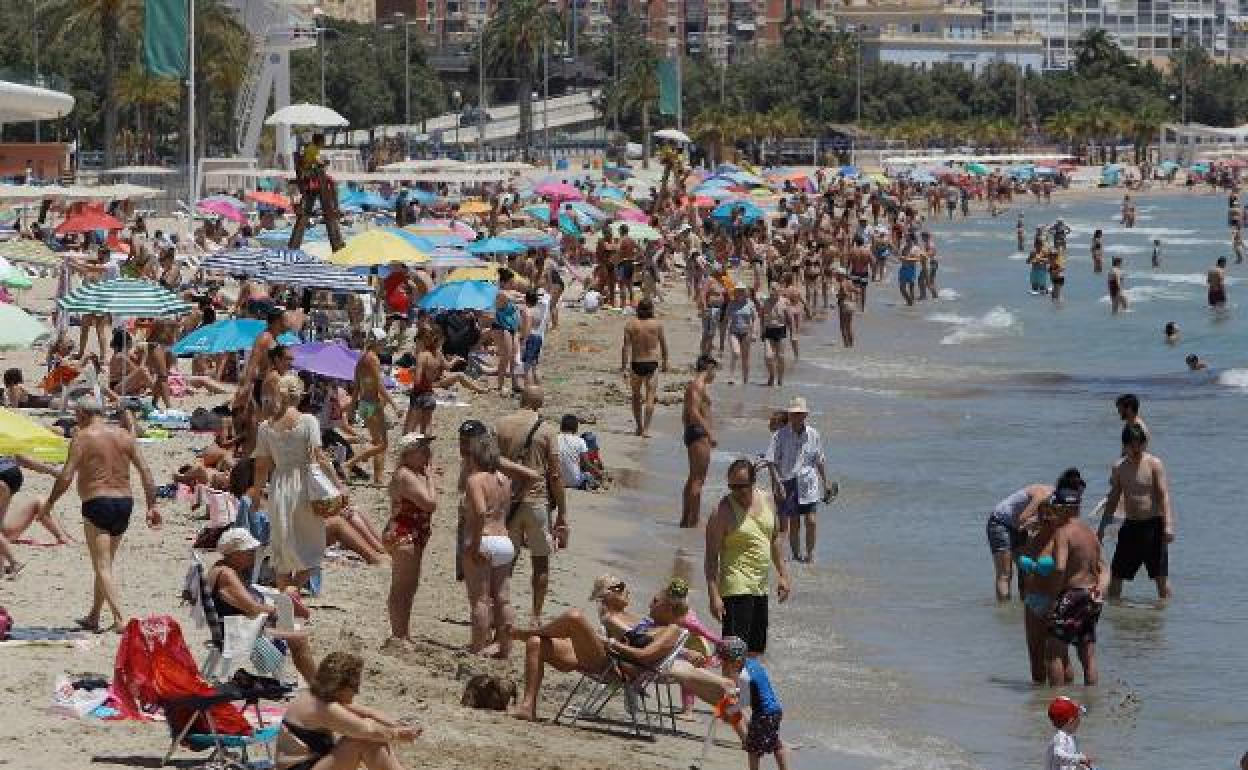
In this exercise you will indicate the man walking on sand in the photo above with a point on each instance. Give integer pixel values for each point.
(699, 440)
(525, 438)
(796, 460)
(100, 455)
(645, 349)
(1080, 571)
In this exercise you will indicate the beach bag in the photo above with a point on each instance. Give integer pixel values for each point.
(222, 508)
(6, 624)
(323, 494)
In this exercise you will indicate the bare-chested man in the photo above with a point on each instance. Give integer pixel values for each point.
(1138, 480)
(251, 384)
(626, 266)
(1082, 575)
(644, 349)
(100, 456)
(699, 440)
(1216, 279)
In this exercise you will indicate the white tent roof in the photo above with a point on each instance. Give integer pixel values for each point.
(21, 103)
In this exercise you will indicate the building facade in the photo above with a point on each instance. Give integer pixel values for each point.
(360, 11)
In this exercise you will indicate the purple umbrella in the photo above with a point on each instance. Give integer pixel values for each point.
(328, 359)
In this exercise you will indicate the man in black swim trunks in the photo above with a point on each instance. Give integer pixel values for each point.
(1081, 572)
(699, 441)
(643, 346)
(100, 455)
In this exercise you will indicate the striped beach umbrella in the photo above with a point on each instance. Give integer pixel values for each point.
(32, 252)
(125, 297)
(314, 275)
(250, 261)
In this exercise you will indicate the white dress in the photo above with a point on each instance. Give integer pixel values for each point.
(298, 533)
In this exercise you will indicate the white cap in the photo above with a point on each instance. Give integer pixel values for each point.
(236, 539)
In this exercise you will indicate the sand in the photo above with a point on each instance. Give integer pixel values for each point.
(582, 377)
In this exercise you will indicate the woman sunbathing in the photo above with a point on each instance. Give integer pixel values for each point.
(571, 642)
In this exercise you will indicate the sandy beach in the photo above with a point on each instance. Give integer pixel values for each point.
(581, 378)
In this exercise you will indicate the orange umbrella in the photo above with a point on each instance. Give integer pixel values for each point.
(277, 200)
(88, 220)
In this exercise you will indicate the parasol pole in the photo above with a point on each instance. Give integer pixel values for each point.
(192, 185)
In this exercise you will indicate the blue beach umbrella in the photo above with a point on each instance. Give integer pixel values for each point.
(460, 295)
(848, 171)
(612, 192)
(229, 336)
(497, 246)
(750, 213)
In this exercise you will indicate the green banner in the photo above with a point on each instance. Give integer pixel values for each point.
(669, 87)
(164, 37)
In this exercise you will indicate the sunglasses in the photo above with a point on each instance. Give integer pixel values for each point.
(618, 588)
(744, 485)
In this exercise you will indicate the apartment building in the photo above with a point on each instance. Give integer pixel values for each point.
(361, 11)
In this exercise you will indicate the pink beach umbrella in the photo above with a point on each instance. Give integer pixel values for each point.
(222, 209)
(559, 191)
(633, 215)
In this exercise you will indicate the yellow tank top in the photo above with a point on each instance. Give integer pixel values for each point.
(745, 556)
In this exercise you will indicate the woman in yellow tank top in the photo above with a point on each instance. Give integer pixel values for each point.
(741, 549)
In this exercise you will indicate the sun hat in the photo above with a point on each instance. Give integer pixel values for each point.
(413, 440)
(798, 406)
(1062, 710)
(603, 586)
(236, 539)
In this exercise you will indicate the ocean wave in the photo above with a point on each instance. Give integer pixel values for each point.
(994, 323)
(1192, 279)
(1193, 242)
(1164, 233)
(1018, 256)
(1138, 294)
(948, 294)
(1122, 248)
(1234, 378)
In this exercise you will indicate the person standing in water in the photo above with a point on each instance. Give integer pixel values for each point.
(1117, 293)
(1006, 535)
(1216, 280)
(1080, 570)
(1138, 480)
(1098, 251)
(1237, 243)
(1020, 233)
(796, 460)
(1156, 253)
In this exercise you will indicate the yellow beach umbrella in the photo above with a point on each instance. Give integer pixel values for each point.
(32, 252)
(474, 207)
(377, 247)
(19, 435)
(483, 273)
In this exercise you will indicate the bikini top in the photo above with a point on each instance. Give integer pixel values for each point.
(1042, 567)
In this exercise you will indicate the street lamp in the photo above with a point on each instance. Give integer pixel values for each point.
(318, 18)
(1018, 78)
(456, 101)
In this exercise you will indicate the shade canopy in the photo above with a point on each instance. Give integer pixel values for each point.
(124, 297)
(306, 115)
(228, 336)
(20, 435)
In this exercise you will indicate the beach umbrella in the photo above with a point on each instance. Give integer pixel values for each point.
(251, 261)
(587, 210)
(31, 252)
(305, 114)
(848, 171)
(20, 435)
(124, 297)
(440, 226)
(365, 199)
(978, 169)
(460, 295)
(750, 213)
(633, 215)
(474, 207)
(727, 168)
(265, 198)
(12, 277)
(328, 359)
(531, 237)
(672, 135)
(429, 241)
(1200, 168)
(615, 204)
(377, 247)
(559, 191)
(497, 246)
(486, 272)
(638, 230)
(221, 209)
(315, 275)
(617, 172)
(612, 192)
(228, 336)
(20, 330)
(88, 220)
(453, 261)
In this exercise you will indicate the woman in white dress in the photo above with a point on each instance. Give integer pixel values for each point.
(285, 446)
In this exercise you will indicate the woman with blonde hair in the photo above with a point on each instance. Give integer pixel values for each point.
(324, 729)
(287, 447)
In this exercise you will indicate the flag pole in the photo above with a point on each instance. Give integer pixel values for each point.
(190, 118)
(680, 91)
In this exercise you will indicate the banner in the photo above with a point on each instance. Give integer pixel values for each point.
(669, 87)
(164, 37)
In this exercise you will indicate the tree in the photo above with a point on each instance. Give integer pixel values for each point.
(1097, 53)
(147, 96)
(104, 19)
(639, 90)
(516, 39)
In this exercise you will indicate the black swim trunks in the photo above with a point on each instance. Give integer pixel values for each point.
(775, 333)
(745, 617)
(1217, 297)
(110, 514)
(1074, 616)
(1141, 543)
(11, 474)
(763, 734)
(694, 433)
(645, 368)
(422, 399)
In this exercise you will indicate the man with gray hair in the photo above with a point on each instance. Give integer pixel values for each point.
(100, 456)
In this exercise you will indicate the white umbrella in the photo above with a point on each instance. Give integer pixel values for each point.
(672, 134)
(305, 115)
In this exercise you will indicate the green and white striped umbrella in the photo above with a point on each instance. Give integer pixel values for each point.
(124, 297)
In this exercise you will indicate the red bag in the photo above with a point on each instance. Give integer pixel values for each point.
(154, 666)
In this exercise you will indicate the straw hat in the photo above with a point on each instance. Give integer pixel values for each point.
(798, 406)
(603, 585)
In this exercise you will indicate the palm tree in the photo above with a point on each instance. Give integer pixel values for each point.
(145, 94)
(1145, 125)
(105, 19)
(220, 72)
(1095, 50)
(639, 88)
(710, 129)
(516, 38)
(1062, 126)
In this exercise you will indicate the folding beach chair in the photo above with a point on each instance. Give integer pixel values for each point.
(599, 688)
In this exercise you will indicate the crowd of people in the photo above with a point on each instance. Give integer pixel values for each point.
(289, 446)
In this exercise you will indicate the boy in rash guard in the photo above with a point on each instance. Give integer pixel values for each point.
(763, 733)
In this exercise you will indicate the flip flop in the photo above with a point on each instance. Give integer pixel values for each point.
(86, 625)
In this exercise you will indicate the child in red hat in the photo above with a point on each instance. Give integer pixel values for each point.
(1063, 753)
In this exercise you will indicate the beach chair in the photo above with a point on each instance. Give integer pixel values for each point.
(191, 724)
(234, 641)
(596, 690)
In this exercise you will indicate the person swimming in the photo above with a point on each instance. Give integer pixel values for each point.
(1171, 332)
(1194, 363)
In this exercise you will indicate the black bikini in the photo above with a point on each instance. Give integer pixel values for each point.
(319, 742)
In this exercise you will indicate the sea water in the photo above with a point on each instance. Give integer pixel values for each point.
(893, 652)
